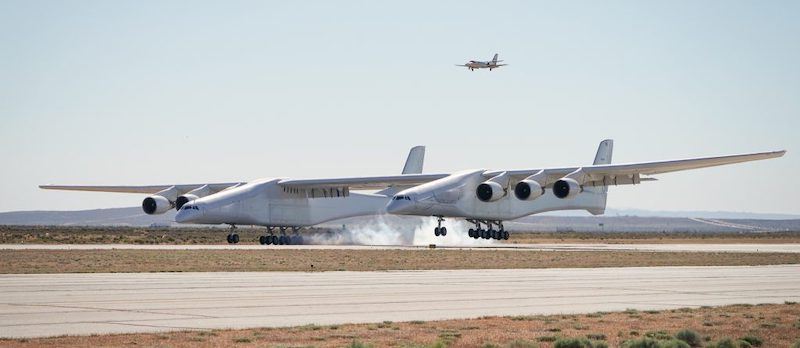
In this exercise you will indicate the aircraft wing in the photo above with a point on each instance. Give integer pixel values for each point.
(630, 173)
(361, 183)
(464, 65)
(146, 189)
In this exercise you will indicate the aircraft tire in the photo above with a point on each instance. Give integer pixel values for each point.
(274, 239)
(436, 231)
(262, 240)
(471, 233)
(229, 239)
(235, 238)
(443, 231)
(494, 234)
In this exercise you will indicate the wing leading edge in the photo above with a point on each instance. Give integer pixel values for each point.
(608, 173)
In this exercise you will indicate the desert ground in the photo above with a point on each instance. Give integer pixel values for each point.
(767, 325)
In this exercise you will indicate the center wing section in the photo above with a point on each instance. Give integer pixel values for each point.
(360, 183)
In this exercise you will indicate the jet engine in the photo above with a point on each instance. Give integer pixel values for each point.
(567, 188)
(183, 199)
(528, 190)
(490, 191)
(156, 205)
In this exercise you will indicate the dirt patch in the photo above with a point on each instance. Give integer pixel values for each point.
(775, 325)
(249, 235)
(72, 261)
(655, 238)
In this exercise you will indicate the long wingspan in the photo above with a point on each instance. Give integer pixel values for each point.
(147, 189)
(608, 173)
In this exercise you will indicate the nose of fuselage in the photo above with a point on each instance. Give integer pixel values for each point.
(400, 205)
(190, 212)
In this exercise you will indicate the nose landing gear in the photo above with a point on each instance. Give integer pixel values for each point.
(233, 237)
(440, 230)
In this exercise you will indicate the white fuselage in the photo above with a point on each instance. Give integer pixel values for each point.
(265, 203)
(480, 65)
(454, 196)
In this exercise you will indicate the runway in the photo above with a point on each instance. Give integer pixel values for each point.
(60, 304)
(740, 248)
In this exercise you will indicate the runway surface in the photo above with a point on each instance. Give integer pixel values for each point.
(59, 304)
(743, 248)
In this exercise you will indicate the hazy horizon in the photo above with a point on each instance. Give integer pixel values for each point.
(126, 92)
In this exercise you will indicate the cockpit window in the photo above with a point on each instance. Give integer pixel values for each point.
(187, 207)
(402, 197)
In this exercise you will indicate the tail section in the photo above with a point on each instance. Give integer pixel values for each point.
(600, 193)
(604, 152)
(494, 60)
(415, 159)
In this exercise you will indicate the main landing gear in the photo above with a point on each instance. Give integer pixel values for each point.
(283, 238)
(233, 237)
(489, 232)
(440, 230)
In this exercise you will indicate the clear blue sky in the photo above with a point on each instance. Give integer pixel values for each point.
(132, 92)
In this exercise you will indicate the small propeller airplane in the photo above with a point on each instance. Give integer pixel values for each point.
(476, 64)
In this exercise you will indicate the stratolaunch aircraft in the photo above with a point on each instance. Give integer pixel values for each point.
(476, 64)
(480, 196)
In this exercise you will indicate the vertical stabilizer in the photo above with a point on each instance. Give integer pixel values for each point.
(604, 152)
(494, 60)
(603, 156)
(415, 159)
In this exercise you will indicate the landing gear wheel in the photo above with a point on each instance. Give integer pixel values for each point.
(493, 234)
(471, 233)
(443, 231)
(274, 239)
(506, 235)
(262, 240)
(281, 240)
(234, 238)
(436, 231)
(230, 241)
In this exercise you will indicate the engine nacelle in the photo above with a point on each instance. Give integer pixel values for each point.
(489, 191)
(156, 205)
(528, 190)
(567, 188)
(183, 199)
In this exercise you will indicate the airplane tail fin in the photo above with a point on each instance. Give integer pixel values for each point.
(604, 152)
(494, 60)
(603, 156)
(415, 159)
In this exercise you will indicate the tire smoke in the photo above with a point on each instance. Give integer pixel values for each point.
(398, 231)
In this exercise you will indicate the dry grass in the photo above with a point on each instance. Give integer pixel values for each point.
(71, 261)
(212, 235)
(781, 330)
(655, 238)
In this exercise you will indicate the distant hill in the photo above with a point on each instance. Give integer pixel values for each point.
(618, 220)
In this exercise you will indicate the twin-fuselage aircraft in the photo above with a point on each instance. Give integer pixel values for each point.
(485, 198)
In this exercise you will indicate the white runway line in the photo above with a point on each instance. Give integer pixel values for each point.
(742, 248)
(59, 304)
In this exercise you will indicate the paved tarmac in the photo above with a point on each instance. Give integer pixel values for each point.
(59, 304)
(742, 248)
